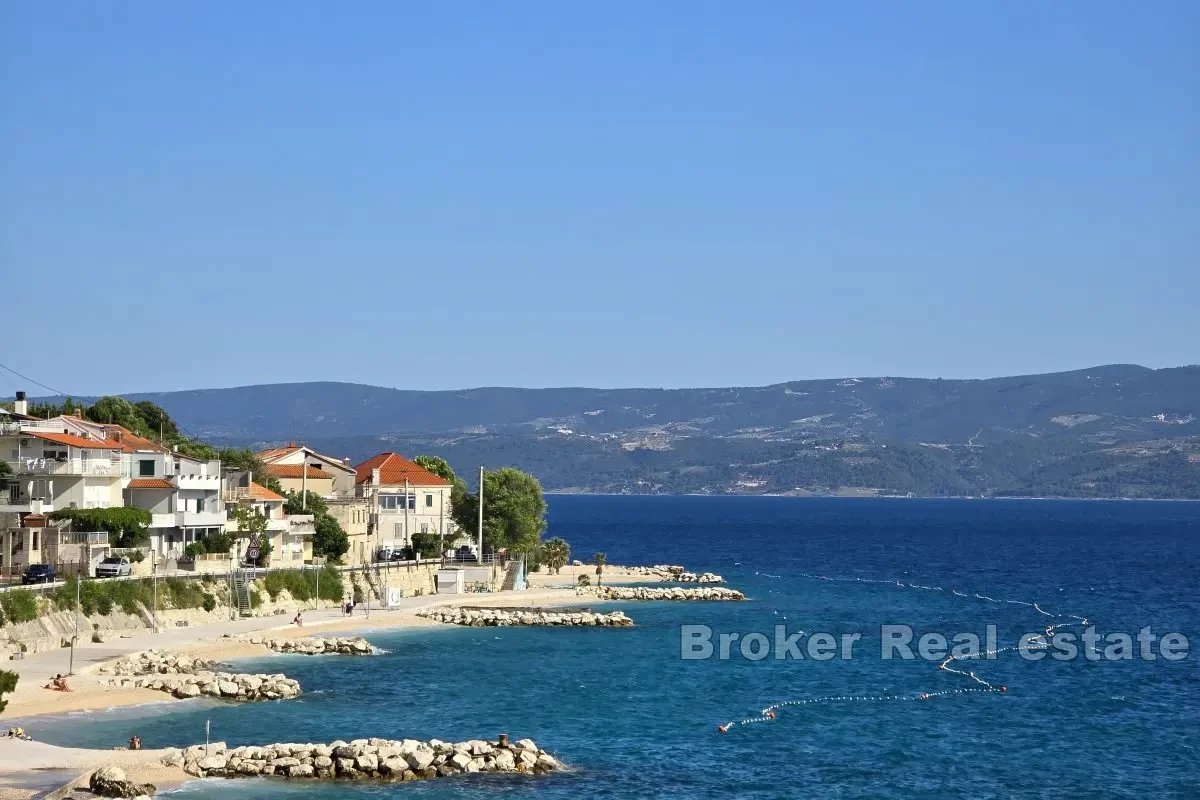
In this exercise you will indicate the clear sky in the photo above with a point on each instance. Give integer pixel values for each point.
(626, 193)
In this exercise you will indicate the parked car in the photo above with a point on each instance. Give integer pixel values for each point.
(393, 554)
(38, 573)
(464, 553)
(113, 567)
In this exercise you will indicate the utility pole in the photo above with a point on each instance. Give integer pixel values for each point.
(154, 581)
(481, 515)
(75, 638)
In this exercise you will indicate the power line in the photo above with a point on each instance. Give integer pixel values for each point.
(31, 380)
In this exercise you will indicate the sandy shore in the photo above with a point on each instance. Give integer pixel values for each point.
(20, 762)
(215, 642)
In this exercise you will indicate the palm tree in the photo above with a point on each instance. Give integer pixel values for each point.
(599, 559)
(556, 553)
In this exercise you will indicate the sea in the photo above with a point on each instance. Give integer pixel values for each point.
(636, 718)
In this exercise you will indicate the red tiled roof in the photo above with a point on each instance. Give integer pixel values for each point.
(73, 440)
(263, 493)
(395, 469)
(296, 471)
(151, 483)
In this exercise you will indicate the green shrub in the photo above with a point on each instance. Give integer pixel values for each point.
(8, 683)
(19, 605)
(209, 602)
(104, 605)
(302, 584)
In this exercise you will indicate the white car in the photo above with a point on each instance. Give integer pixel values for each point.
(113, 567)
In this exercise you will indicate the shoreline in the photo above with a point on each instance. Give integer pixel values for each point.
(220, 642)
(25, 766)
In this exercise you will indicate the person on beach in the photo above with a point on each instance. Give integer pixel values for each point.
(298, 621)
(59, 684)
(135, 742)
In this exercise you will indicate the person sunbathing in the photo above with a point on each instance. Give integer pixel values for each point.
(59, 684)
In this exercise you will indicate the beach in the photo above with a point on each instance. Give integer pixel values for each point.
(218, 642)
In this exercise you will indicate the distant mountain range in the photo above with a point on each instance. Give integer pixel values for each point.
(1111, 431)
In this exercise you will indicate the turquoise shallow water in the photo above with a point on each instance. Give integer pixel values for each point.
(638, 721)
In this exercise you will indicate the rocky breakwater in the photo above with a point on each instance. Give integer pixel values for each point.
(497, 618)
(317, 646)
(660, 593)
(673, 572)
(185, 677)
(368, 759)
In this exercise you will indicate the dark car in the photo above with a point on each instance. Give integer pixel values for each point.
(464, 554)
(38, 573)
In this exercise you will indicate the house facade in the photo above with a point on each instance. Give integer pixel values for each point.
(403, 498)
(333, 477)
(290, 536)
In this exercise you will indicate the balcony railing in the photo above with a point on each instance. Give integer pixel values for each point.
(235, 494)
(70, 466)
(91, 539)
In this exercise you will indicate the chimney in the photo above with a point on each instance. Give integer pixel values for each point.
(78, 414)
(21, 406)
(375, 476)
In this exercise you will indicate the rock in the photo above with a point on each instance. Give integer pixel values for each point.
(300, 771)
(419, 758)
(322, 762)
(187, 690)
(215, 761)
(367, 762)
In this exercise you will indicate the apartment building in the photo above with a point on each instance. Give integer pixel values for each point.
(290, 535)
(404, 498)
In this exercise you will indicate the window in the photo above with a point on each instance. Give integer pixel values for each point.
(429, 501)
(424, 527)
(412, 502)
(200, 504)
(146, 468)
(35, 541)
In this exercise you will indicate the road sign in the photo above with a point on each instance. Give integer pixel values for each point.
(252, 549)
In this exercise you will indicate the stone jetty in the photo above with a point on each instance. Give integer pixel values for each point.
(366, 759)
(316, 646)
(156, 662)
(185, 677)
(499, 617)
(673, 572)
(660, 593)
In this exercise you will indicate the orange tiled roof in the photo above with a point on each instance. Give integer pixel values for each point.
(73, 440)
(395, 469)
(151, 483)
(296, 471)
(263, 493)
(130, 442)
(276, 452)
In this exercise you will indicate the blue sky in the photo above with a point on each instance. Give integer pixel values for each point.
(439, 195)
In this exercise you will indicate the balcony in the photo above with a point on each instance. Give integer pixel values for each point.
(192, 481)
(235, 494)
(89, 539)
(21, 503)
(71, 466)
(188, 519)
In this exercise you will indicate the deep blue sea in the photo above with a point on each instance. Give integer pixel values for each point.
(637, 720)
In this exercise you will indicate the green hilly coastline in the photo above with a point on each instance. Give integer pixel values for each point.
(1109, 431)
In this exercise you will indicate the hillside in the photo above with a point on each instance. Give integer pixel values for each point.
(1117, 430)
